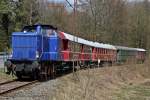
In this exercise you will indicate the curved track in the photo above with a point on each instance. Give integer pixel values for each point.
(13, 85)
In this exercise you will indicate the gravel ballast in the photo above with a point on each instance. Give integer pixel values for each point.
(42, 91)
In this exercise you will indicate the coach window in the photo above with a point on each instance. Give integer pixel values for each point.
(93, 51)
(65, 44)
(89, 49)
(104, 51)
(75, 47)
(79, 47)
(69, 45)
(100, 51)
(85, 48)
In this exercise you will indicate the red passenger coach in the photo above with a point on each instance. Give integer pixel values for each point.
(78, 49)
(105, 53)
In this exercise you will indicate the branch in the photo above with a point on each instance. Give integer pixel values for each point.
(69, 4)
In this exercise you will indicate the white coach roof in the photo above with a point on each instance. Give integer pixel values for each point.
(86, 42)
(128, 48)
(101, 45)
(139, 49)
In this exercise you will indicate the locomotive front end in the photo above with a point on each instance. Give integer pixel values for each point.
(24, 52)
(32, 49)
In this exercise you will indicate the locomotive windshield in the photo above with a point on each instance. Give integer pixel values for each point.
(42, 29)
(29, 29)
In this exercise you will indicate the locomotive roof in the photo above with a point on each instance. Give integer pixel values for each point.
(44, 26)
(86, 42)
(128, 48)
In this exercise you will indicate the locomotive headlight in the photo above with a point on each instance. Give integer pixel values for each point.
(37, 54)
(10, 56)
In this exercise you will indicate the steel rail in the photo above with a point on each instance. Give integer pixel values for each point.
(6, 82)
(15, 88)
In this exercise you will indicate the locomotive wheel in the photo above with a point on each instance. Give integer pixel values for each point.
(34, 77)
(35, 74)
(35, 70)
(19, 75)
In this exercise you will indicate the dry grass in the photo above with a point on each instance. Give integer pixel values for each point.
(108, 83)
(134, 92)
(4, 76)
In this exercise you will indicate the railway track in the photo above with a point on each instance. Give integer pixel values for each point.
(13, 85)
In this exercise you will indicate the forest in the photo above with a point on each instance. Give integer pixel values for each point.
(117, 22)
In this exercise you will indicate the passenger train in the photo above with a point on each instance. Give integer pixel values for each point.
(43, 49)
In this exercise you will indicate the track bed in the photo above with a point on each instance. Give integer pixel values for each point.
(10, 86)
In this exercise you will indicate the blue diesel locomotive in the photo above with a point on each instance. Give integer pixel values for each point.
(32, 48)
